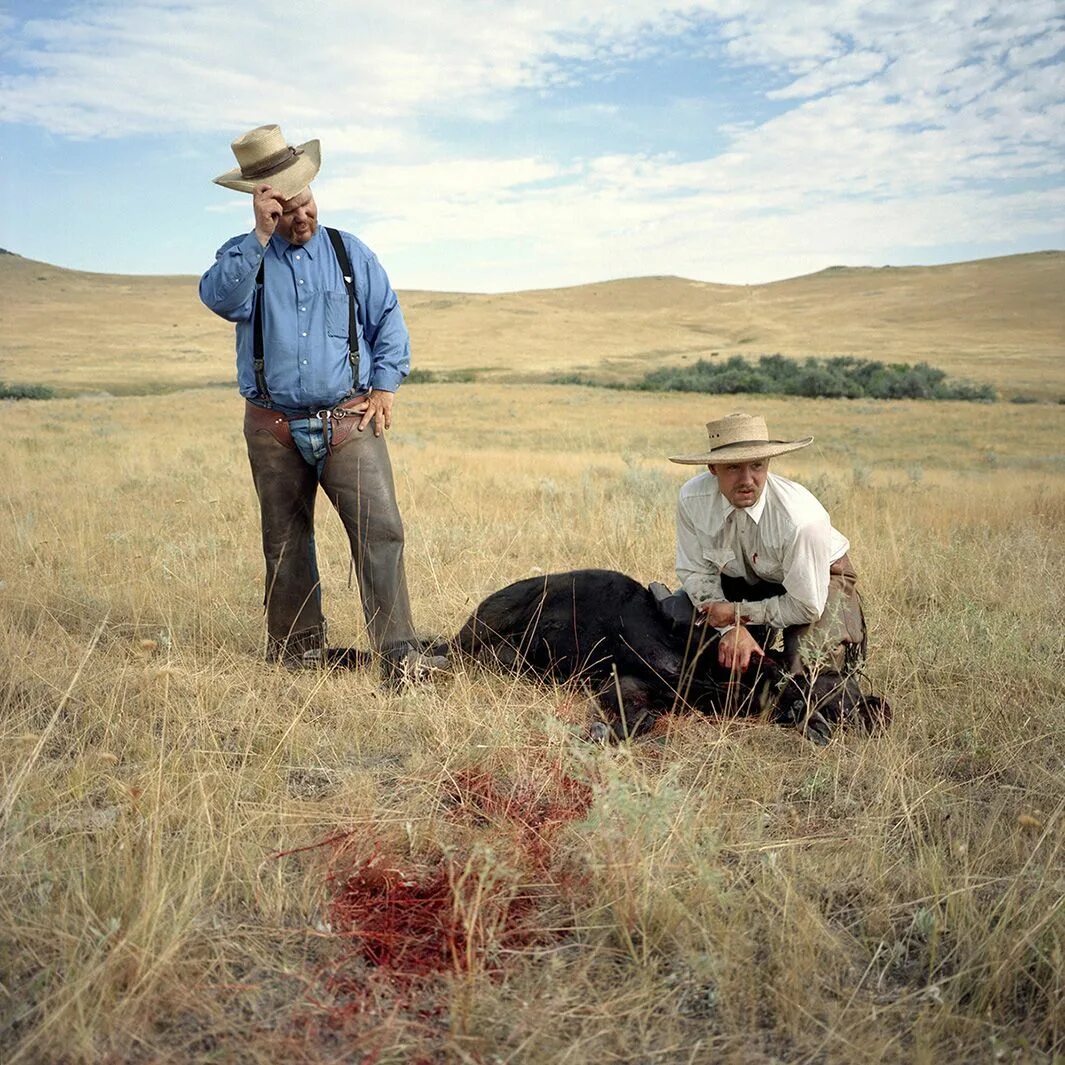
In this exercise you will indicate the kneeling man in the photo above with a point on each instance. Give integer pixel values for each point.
(757, 554)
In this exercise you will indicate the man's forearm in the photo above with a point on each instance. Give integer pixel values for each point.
(779, 612)
(701, 586)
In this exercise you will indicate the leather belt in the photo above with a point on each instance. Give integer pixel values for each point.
(341, 420)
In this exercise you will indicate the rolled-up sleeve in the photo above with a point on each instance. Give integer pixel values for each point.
(806, 562)
(228, 287)
(385, 330)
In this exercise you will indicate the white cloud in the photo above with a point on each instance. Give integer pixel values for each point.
(843, 70)
(889, 123)
(620, 216)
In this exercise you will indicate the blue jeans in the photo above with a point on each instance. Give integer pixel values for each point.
(310, 436)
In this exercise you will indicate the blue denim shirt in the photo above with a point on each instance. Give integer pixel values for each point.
(305, 319)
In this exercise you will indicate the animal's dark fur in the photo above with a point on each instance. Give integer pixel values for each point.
(605, 630)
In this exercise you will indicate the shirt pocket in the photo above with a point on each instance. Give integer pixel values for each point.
(336, 314)
(723, 560)
(767, 565)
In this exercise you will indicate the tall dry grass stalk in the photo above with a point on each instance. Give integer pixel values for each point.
(718, 892)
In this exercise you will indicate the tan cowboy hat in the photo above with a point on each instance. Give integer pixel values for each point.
(265, 158)
(740, 438)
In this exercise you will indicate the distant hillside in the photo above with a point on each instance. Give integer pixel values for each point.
(995, 320)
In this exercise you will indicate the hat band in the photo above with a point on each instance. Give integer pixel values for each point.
(272, 164)
(748, 443)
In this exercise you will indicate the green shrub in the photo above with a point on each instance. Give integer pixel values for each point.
(842, 377)
(432, 377)
(26, 391)
(573, 379)
(421, 377)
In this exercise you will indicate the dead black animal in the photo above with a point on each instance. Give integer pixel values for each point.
(595, 626)
(605, 630)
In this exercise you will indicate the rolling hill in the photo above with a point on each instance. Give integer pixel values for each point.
(992, 320)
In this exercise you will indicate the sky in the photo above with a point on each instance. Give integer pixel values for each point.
(496, 146)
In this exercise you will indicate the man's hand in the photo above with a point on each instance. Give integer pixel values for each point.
(735, 649)
(719, 614)
(376, 408)
(267, 204)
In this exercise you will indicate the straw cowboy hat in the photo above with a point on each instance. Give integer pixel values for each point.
(265, 158)
(740, 438)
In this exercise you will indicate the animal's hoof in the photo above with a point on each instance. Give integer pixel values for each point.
(816, 729)
(600, 733)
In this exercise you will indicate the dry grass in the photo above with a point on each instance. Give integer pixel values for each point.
(718, 892)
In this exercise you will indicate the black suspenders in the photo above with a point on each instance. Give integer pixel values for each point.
(258, 361)
(257, 356)
(353, 307)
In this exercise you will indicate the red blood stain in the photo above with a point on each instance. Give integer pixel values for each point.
(411, 921)
(529, 810)
(400, 920)
(405, 924)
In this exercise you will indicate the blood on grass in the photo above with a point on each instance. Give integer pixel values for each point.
(406, 925)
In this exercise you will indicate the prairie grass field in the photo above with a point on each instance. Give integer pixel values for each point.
(209, 859)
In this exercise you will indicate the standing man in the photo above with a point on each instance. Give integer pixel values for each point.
(321, 350)
(757, 553)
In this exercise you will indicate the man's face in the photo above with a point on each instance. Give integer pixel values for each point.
(741, 483)
(299, 218)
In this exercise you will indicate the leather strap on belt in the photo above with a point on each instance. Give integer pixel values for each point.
(341, 420)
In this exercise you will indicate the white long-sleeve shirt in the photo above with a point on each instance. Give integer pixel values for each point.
(786, 538)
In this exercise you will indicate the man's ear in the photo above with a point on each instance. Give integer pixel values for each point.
(710, 467)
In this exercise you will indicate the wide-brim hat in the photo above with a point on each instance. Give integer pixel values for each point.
(266, 158)
(740, 438)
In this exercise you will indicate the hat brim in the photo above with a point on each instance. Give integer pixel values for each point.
(287, 182)
(743, 452)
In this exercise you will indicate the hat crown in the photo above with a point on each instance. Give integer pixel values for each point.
(736, 429)
(258, 146)
(740, 438)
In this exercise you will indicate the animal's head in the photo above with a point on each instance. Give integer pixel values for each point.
(816, 703)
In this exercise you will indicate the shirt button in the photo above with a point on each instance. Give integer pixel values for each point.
(303, 308)
(304, 334)
(300, 282)
(304, 361)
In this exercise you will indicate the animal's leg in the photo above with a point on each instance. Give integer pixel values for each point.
(873, 713)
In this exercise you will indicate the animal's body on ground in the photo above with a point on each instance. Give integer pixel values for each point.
(605, 630)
